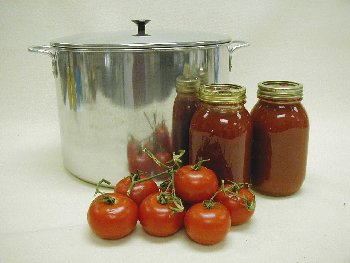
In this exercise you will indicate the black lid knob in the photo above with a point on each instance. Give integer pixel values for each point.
(141, 26)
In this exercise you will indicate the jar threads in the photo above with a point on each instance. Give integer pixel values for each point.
(280, 90)
(222, 94)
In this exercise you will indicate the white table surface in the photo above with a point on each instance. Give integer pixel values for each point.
(43, 207)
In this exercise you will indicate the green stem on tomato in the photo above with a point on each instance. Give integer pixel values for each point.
(222, 189)
(237, 186)
(162, 198)
(137, 181)
(233, 189)
(177, 158)
(105, 197)
(179, 207)
(169, 169)
(250, 205)
(198, 165)
(208, 204)
(211, 202)
(151, 155)
(98, 191)
(165, 197)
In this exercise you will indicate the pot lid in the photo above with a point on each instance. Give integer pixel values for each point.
(140, 39)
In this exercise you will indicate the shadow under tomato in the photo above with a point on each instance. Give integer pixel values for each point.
(158, 240)
(206, 248)
(185, 241)
(95, 240)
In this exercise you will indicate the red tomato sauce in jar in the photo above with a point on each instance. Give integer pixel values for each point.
(280, 138)
(185, 105)
(221, 130)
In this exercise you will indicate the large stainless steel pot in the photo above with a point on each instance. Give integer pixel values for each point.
(108, 82)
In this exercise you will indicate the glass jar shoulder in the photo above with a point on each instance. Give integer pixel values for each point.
(278, 116)
(185, 101)
(184, 106)
(223, 121)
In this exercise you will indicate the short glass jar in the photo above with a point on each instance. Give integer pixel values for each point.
(280, 138)
(221, 130)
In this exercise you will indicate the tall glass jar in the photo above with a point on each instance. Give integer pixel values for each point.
(280, 138)
(221, 130)
(185, 105)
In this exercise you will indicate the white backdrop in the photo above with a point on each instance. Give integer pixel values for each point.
(303, 41)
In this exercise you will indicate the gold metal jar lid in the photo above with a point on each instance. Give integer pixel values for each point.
(187, 83)
(222, 94)
(280, 90)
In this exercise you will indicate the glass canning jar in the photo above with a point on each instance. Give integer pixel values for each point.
(185, 105)
(280, 138)
(221, 130)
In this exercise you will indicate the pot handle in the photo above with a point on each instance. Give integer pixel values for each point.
(44, 49)
(47, 50)
(232, 47)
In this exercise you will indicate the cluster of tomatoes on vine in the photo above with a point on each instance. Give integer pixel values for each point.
(159, 143)
(189, 197)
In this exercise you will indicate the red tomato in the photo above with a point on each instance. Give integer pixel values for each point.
(110, 219)
(195, 186)
(207, 226)
(140, 190)
(162, 137)
(241, 207)
(158, 219)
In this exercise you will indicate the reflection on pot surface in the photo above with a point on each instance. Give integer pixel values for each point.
(103, 99)
(129, 79)
(108, 82)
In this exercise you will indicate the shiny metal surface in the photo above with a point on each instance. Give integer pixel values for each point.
(126, 40)
(48, 50)
(104, 95)
(141, 26)
(223, 94)
(232, 47)
(280, 90)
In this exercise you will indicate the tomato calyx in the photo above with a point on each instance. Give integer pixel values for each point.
(167, 194)
(135, 179)
(209, 204)
(163, 198)
(177, 158)
(135, 176)
(250, 205)
(106, 198)
(198, 165)
(165, 185)
(234, 190)
(179, 207)
(175, 203)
